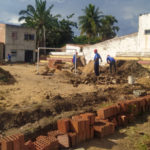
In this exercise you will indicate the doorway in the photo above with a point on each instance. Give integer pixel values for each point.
(28, 56)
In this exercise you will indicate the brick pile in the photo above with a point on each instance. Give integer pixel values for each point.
(83, 127)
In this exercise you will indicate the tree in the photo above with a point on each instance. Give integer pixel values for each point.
(50, 30)
(108, 29)
(96, 26)
(38, 19)
(89, 23)
(60, 31)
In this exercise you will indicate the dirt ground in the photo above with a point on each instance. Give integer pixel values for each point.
(31, 103)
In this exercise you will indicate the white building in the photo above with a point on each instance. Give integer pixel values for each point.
(18, 41)
(136, 44)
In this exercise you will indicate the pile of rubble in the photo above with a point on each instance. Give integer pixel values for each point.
(6, 77)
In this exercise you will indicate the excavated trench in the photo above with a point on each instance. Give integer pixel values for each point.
(38, 119)
(34, 121)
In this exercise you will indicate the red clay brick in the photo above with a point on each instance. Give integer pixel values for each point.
(89, 116)
(107, 112)
(7, 144)
(21, 140)
(16, 142)
(64, 125)
(46, 142)
(131, 118)
(91, 132)
(29, 144)
(103, 128)
(72, 138)
(77, 125)
(114, 121)
(87, 129)
(76, 117)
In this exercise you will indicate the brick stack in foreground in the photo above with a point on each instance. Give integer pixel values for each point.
(83, 127)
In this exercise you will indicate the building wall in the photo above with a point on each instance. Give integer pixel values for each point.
(124, 44)
(1, 51)
(72, 48)
(136, 44)
(2, 33)
(144, 38)
(16, 44)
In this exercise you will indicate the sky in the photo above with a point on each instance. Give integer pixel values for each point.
(125, 11)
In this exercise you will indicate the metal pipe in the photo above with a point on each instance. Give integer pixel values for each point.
(38, 58)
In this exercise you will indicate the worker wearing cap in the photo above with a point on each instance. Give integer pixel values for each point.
(112, 63)
(96, 62)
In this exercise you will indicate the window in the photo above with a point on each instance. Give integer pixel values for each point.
(147, 31)
(14, 35)
(13, 53)
(26, 37)
(29, 37)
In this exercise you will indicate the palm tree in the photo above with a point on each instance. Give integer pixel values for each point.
(90, 23)
(38, 19)
(108, 29)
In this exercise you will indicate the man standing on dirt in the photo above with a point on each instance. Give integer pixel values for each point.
(111, 61)
(96, 62)
(9, 58)
(74, 60)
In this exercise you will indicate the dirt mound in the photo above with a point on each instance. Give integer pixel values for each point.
(88, 68)
(126, 68)
(6, 77)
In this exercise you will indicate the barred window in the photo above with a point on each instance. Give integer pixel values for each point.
(14, 35)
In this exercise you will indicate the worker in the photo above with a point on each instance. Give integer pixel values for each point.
(74, 61)
(112, 63)
(9, 58)
(96, 62)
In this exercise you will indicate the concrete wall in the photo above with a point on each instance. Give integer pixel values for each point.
(2, 33)
(136, 44)
(1, 51)
(72, 48)
(144, 38)
(17, 43)
(126, 44)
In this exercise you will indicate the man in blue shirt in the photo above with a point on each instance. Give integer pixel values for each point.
(9, 58)
(96, 62)
(74, 61)
(111, 61)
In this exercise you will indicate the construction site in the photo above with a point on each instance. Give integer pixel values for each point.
(47, 103)
(59, 108)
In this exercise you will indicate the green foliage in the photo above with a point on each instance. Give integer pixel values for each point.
(143, 143)
(82, 39)
(96, 26)
(108, 30)
(54, 31)
(50, 30)
(89, 23)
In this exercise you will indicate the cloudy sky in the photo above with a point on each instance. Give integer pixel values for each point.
(125, 11)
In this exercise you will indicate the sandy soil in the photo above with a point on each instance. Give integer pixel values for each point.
(34, 102)
(32, 89)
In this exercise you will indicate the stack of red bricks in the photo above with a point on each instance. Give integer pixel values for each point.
(83, 127)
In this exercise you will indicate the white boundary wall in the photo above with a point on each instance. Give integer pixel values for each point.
(112, 47)
(136, 44)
